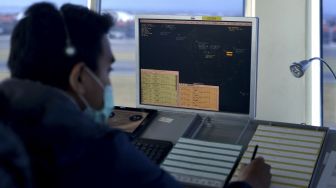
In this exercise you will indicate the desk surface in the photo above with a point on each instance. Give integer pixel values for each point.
(329, 145)
(235, 130)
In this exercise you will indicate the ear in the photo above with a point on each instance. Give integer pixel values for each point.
(75, 79)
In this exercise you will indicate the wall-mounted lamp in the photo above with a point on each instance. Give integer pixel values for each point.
(298, 69)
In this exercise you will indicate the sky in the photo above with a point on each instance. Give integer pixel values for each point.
(229, 7)
(329, 7)
(162, 5)
(177, 5)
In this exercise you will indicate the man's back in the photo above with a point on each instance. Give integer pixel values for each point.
(14, 162)
(67, 149)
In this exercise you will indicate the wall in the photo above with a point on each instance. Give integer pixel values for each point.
(282, 40)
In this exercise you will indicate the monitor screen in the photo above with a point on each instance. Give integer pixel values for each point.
(197, 63)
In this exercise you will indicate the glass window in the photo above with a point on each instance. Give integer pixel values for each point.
(329, 54)
(122, 34)
(10, 13)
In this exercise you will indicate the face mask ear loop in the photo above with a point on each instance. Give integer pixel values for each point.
(95, 77)
(97, 80)
(83, 100)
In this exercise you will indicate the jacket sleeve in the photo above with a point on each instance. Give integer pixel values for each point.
(112, 161)
(238, 184)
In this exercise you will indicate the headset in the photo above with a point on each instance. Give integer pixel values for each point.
(69, 49)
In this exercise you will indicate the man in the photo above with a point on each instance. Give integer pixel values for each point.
(60, 96)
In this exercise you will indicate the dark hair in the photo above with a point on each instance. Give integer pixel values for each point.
(38, 42)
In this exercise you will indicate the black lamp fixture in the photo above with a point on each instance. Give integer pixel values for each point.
(298, 68)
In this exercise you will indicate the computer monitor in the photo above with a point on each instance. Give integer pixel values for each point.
(197, 63)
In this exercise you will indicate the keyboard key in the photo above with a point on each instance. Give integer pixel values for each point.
(155, 150)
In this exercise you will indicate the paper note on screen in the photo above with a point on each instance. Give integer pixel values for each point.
(159, 87)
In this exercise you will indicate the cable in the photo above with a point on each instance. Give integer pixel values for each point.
(320, 59)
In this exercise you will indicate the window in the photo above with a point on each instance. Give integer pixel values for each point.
(10, 13)
(329, 54)
(122, 34)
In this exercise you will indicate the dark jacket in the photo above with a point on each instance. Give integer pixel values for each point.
(68, 149)
(14, 165)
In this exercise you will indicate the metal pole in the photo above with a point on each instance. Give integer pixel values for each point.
(94, 5)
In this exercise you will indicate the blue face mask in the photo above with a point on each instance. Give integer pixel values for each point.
(102, 115)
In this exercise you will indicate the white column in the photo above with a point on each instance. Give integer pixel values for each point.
(313, 75)
(94, 5)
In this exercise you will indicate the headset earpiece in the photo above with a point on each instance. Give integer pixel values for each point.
(69, 49)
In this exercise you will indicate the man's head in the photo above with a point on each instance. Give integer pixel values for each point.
(38, 50)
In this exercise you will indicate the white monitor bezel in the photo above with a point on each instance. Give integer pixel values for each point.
(254, 60)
